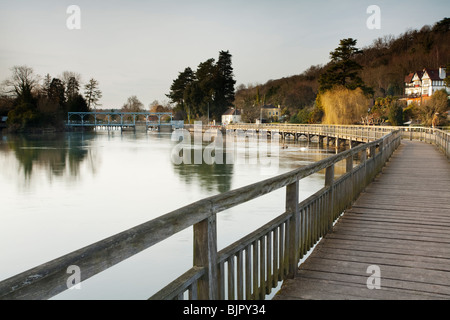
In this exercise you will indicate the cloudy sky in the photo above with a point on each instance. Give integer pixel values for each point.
(138, 47)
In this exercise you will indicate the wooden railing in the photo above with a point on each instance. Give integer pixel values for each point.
(252, 266)
(248, 269)
(438, 137)
(366, 133)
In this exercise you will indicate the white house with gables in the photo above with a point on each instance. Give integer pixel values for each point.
(420, 85)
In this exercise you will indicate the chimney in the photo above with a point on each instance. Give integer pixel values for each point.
(442, 73)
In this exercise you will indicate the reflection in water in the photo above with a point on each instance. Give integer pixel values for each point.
(56, 154)
(214, 177)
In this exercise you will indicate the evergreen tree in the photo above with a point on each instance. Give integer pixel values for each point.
(92, 93)
(47, 83)
(225, 92)
(56, 92)
(209, 88)
(201, 93)
(343, 69)
(77, 104)
(179, 85)
(72, 88)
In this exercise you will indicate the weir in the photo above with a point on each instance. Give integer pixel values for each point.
(118, 120)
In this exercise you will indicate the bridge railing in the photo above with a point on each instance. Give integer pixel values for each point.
(252, 266)
(367, 133)
(438, 137)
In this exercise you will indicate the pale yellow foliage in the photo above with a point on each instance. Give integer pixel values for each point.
(344, 106)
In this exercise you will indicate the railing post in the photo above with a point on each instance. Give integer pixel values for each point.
(294, 228)
(329, 179)
(349, 163)
(205, 255)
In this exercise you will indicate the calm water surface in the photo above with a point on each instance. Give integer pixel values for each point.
(59, 193)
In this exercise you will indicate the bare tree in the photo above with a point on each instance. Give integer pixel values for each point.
(133, 105)
(22, 82)
(71, 82)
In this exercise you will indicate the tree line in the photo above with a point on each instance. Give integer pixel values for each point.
(31, 103)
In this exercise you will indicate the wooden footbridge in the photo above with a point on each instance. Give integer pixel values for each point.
(378, 231)
(394, 241)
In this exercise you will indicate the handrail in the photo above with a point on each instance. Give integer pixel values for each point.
(286, 235)
(436, 136)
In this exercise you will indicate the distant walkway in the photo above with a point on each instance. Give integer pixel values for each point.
(401, 223)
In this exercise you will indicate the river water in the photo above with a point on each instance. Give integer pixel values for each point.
(62, 192)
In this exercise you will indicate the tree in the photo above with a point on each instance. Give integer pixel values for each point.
(133, 105)
(77, 103)
(56, 92)
(92, 93)
(22, 83)
(47, 83)
(71, 82)
(72, 88)
(433, 111)
(199, 94)
(343, 69)
(344, 106)
(179, 85)
(250, 112)
(395, 115)
(303, 116)
(225, 93)
(209, 88)
(6, 105)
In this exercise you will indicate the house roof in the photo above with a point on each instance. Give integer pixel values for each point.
(433, 74)
(409, 77)
(419, 74)
(269, 106)
(230, 112)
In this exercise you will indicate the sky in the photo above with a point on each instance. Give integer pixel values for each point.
(138, 47)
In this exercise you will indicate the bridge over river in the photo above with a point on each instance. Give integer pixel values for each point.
(121, 120)
(381, 230)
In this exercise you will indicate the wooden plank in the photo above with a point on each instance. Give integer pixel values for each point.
(401, 227)
(324, 289)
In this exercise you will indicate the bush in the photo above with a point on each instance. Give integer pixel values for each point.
(395, 115)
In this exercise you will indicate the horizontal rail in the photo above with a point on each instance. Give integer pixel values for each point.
(435, 136)
(283, 243)
(186, 282)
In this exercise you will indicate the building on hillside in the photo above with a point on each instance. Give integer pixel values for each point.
(231, 116)
(269, 113)
(420, 85)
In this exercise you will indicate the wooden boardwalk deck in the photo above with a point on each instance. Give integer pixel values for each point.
(401, 223)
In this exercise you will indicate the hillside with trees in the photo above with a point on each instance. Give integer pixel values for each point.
(378, 69)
